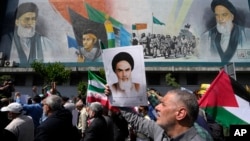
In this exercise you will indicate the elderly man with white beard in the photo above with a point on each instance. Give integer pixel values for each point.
(123, 65)
(27, 44)
(227, 41)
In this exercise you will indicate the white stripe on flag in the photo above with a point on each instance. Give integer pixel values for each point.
(244, 111)
(96, 83)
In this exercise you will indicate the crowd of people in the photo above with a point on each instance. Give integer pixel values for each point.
(173, 116)
(159, 45)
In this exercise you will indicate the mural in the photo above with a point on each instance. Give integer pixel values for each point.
(170, 31)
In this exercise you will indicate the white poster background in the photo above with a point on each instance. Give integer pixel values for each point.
(137, 75)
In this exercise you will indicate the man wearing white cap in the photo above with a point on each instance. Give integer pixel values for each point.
(21, 125)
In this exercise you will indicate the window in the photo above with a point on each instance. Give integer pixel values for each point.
(153, 78)
(192, 79)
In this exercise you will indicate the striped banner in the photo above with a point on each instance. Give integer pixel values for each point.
(95, 91)
(139, 26)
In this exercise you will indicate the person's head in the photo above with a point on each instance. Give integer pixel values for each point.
(224, 14)
(201, 91)
(67, 104)
(26, 19)
(17, 94)
(51, 104)
(79, 105)
(36, 99)
(158, 36)
(174, 37)
(89, 39)
(4, 102)
(153, 91)
(193, 37)
(122, 65)
(143, 35)
(14, 110)
(95, 109)
(133, 34)
(177, 109)
(143, 110)
(168, 36)
(153, 36)
(65, 99)
(34, 89)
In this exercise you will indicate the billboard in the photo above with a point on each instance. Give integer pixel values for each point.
(172, 32)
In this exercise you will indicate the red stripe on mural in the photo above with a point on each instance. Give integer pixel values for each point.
(78, 6)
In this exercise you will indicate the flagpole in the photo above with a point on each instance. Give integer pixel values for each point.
(152, 22)
(137, 34)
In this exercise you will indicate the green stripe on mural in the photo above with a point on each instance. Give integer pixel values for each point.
(111, 43)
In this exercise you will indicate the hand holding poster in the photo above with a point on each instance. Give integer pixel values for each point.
(125, 73)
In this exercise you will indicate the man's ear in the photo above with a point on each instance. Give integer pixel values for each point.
(17, 22)
(181, 113)
(95, 40)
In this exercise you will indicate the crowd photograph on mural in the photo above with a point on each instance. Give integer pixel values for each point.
(183, 45)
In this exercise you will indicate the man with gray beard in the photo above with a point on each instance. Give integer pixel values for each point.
(122, 65)
(227, 41)
(27, 44)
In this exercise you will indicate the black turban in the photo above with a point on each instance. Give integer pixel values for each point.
(224, 3)
(89, 31)
(122, 56)
(26, 7)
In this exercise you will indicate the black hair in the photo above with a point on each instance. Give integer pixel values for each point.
(120, 57)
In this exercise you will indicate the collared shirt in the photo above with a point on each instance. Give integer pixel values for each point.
(82, 120)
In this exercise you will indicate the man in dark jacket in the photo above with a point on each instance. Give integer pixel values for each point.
(98, 129)
(58, 125)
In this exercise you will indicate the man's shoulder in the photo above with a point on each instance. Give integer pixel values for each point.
(137, 86)
(115, 86)
(99, 121)
(25, 118)
(201, 132)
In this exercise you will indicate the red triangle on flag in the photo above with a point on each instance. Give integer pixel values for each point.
(220, 93)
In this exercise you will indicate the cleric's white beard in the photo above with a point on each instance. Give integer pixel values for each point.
(25, 32)
(125, 85)
(225, 28)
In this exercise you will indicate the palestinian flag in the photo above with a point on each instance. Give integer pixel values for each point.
(95, 91)
(227, 101)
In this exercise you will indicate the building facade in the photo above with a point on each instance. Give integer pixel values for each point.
(170, 32)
